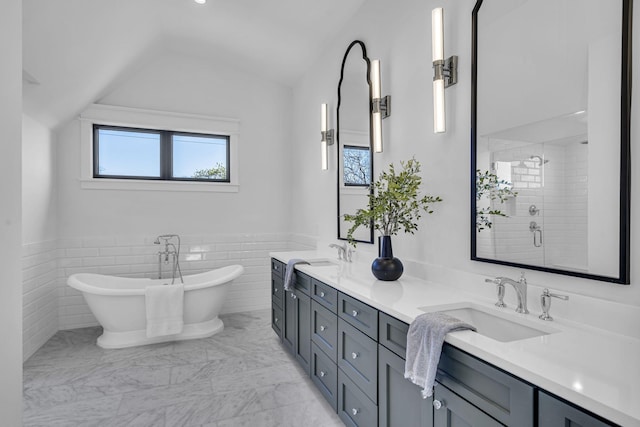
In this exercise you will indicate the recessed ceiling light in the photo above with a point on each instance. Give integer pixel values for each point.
(200, 1)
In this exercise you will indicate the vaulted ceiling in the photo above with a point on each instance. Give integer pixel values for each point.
(76, 51)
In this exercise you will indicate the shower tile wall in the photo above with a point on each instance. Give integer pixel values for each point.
(51, 305)
(559, 189)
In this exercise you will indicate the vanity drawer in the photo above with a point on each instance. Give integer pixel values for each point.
(277, 290)
(358, 358)
(392, 333)
(359, 314)
(355, 409)
(325, 295)
(324, 330)
(324, 374)
(276, 319)
(303, 283)
(277, 267)
(506, 398)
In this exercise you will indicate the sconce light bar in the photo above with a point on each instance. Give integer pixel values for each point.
(445, 72)
(326, 137)
(380, 106)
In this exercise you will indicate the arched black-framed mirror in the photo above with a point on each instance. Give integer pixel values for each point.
(550, 168)
(353, 137)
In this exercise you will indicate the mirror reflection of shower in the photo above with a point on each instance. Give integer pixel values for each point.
(549, 172)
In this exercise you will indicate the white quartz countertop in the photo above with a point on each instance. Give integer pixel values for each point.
(592, 368)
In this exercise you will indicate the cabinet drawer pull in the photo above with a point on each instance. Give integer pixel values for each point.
(437, 404)
(355, 411)
(321, 294)
(293, 295)
(322, 373)
(354, 313)
(275, 290)
(275, 320)
(354, 355)
(322, 327)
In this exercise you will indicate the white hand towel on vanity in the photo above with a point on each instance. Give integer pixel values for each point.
(164, 306)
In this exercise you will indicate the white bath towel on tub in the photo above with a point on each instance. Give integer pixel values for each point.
(164, 305)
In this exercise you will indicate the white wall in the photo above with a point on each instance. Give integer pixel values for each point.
(39, 224)
(187, 85)
(112, 231)
(440, 250)
(10, 212)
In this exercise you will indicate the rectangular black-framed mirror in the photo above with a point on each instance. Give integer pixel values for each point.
(550, 119)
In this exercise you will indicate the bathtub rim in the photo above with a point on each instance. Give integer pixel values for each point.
(218, 276)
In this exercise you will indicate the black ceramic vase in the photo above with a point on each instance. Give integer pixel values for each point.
(386, 267)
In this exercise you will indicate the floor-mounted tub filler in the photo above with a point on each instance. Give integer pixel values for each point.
(119, 305)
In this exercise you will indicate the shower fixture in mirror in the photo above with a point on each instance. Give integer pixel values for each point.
(353, 137)
(550, 167)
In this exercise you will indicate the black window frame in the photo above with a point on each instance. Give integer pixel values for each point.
(166, 154)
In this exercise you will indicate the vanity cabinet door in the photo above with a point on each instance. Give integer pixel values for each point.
(324, 374)
(450, 410)
(358, 358)
(501, 395)
(324, 330)
(400, 402)
(289, 324)
(355, 409)
(303, 330)
(555, 413)
(276, 319)
(276, 289)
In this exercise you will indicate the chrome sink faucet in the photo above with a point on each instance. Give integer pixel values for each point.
(344, 252)
(521, 291)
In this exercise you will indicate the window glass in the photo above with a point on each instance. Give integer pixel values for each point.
(128, 153)
(121, 152)
(200, 157)
(357, 166)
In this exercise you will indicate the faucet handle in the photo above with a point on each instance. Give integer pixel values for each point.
(559, 296)
(545, 302)
(522, 278)
(495, 281)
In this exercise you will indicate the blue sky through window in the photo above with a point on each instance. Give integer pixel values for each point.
(129, 153)
(192, 153)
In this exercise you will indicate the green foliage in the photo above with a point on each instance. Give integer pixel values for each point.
(219, 171)
(394, 204)
(488, 184)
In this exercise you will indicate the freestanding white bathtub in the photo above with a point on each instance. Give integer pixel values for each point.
(119, 305)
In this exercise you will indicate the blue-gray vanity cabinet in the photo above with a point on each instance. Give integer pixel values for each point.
(450, 410)
(296, 328)
(324, 330)
(303, 330)
(358, 358)
(277, 314)
(355, 409)
(400, 402)
(362, 316)
(325, 295)
(553, 412)
(276, 319)
(324, 374)
(500, 395)
(392, 333)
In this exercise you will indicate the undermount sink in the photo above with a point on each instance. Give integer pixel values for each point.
(499, 326)
(324, 262)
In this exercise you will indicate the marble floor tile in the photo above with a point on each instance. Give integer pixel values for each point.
(241, 376)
